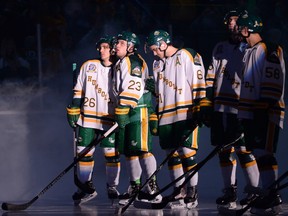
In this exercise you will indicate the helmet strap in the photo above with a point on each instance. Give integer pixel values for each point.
(247, 35)
(163, 50)
(130, 48)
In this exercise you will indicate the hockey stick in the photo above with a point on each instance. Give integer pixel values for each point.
(18, 207)
(76, 180)
(121, 210)
(177, 190)
(276, 183)
(75, 135)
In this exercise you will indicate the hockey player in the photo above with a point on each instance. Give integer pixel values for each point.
(132, 115)
(261, 106)
(223, 83)
(180, 84)
(91, 111)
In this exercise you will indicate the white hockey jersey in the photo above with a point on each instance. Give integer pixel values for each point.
(224, 76)
(129, 80)
(94, 88)
(179, 82)
(264, 79)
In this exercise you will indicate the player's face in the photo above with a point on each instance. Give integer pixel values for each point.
(243, 31)
(232, 27)
(156, 51)
(121, 48)
(104, 51)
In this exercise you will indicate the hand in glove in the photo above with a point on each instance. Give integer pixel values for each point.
(153, 124)
(73, 114)
(122, 116)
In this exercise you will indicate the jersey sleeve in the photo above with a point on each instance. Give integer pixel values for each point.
(210, 76)
(195, 74)
(272, 82)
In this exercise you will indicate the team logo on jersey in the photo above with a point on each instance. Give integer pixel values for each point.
(133, 143)
(178, 61)
(92, 68)
(136, 71)
(197, 60)
(111, 140)
(156, 65)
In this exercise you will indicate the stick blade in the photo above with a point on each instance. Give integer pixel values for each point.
(14, 207)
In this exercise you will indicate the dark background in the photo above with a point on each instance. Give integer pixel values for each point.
(69, 29)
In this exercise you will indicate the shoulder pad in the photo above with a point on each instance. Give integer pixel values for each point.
(195, 55)
(191, 51)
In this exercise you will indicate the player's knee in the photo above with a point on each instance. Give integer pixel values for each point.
(112, 159)
(145, 155)
(246, 158)
(227, 158)
(87, 159)
(185, 152)
(267, 162)
(174, 162)
(189, 162)
(88, 155)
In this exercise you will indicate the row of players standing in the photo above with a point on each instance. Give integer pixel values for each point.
(241, 92)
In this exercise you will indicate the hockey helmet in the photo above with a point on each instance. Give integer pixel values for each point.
(234, 12)
(155, 37)
(105, 39)
(252, 22)
(130, 37)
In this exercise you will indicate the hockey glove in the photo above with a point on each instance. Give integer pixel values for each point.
(73, 114)
(150, 85)
(153, 124)
(206, 111)
(122, 116)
